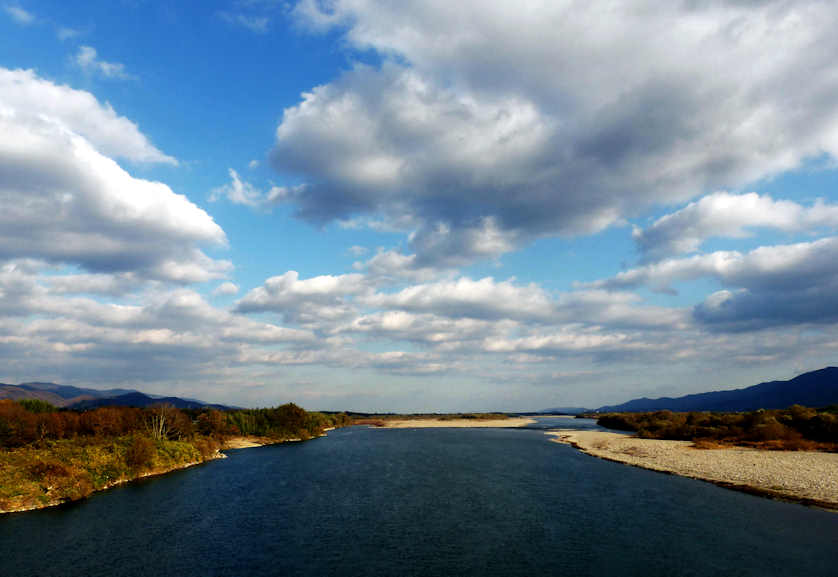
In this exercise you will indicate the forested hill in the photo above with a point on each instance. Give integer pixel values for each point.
(814, 389)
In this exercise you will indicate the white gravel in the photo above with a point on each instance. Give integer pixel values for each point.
(806, 476)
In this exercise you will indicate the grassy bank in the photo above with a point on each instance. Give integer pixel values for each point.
(53, 472)
(50, 456)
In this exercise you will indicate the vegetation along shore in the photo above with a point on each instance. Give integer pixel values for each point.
(50, 456)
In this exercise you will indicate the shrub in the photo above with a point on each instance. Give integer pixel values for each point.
(207, 447)
(36, 406)
(140, 453)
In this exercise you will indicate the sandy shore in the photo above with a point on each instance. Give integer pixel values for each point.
(246, 442)
(457, 423)
(806, 477)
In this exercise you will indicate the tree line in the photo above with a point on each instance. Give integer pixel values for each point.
(31, 420)
(795, 428)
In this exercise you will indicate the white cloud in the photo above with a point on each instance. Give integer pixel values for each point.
(24, 93)
(226, 289)
(165, 336)
(780, 266)
(63, 201)
(464, 297)
(314, 299)
(565, 341)
(100, 284)
(616, 310)
(240, 191)
(393, 266)
(769, 286)
(18, 14)
(88, 60)
(432, 330)
(722, 214)
(596, 113)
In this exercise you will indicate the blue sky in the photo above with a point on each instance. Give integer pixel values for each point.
(360, 205)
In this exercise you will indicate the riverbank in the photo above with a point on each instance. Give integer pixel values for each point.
(511, 422)
(806, 477)
(36, 478)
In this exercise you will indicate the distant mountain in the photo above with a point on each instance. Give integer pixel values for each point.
(57, 395)
(137, 399)
(814, 389)
(16, 393)
(69, 392)
(83, 398)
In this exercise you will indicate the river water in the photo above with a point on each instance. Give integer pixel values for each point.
(423, 502)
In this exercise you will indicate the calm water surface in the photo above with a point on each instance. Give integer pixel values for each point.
(421, 502)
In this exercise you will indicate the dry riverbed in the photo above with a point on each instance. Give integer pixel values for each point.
(806, 477)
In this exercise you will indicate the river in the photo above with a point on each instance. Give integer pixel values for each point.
(460, 502)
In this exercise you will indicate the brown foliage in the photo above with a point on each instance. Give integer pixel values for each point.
(213, 423)
(140, 453)
(207, 446)
(48, 469)
(796, 428)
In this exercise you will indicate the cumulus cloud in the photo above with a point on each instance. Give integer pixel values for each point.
(780, 265)
(23, 93)
(88, 60)
(565, 341)
(99, 284)
(438, 251)
(597, 112)
(172, 335)
(63, 201)
(616, 310)
(226, 289)
(393, 266)
(305, 300)
(425, 328)
(769, 286)
(722, 214)
(464, 297)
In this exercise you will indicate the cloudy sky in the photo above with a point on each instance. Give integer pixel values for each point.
(415, 206)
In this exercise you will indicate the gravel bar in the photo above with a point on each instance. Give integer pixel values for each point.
(806, 477)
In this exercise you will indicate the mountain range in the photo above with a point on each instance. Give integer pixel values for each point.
(814, 389)
(83, 398)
